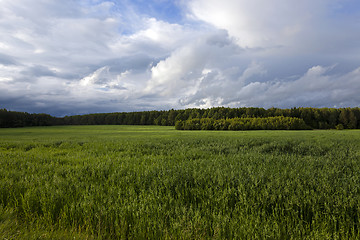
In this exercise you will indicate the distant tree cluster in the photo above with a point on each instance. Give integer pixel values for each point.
(10, 119)
(316, 118)
(236, 124)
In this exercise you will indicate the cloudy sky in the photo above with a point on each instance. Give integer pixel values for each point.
(87, 56)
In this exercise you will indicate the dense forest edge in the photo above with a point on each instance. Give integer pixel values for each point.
(236, 124)
(219, 118)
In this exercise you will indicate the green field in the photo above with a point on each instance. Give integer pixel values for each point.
(151, 182)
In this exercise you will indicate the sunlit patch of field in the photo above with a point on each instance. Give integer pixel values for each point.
(117, 182)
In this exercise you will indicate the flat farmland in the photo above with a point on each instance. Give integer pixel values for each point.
(151, 182)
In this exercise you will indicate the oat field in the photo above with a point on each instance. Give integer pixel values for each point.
(154, 182)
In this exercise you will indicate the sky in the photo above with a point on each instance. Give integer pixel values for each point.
(88, 56)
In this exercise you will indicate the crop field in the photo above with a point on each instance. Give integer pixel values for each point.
(153, 182)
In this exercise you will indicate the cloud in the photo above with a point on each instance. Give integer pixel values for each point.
(75, 53)
(297, 26)
(73, 57)
(315, 88)
(213, 73)
(7, 60)
(257, 23)
(186, 67)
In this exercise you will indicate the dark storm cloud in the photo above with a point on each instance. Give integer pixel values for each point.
(7, 60)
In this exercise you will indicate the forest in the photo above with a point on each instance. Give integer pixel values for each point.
(236, 124)
(314, 118)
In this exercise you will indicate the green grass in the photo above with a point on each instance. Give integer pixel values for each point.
(149, 182)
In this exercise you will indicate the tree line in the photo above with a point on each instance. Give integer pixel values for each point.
(11, 119)
(316, 118)
(236, 124)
